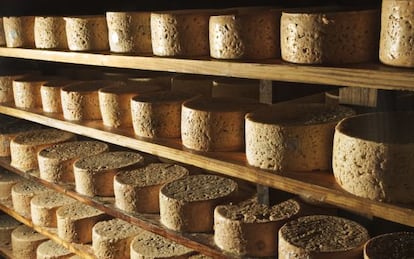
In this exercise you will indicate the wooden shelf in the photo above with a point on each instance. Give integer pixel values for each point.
(372, 75)
(84, 251)
(320, 186)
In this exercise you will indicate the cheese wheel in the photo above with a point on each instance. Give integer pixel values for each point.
(236, 87)
(86, 33)
(52, 250)
(19, 31)
(129, 32)
(22, 193)
(7, 180)
(150, 245)
(158, 114)
(158, 80)
(329, 36)
(215, 124)
(390, 246)
(180, 33)
(50, 95)
(25, 146)
(184, 200)
(115, 104)
(43, 208)
(2, 37)
(250, 229)
(295, 137)
(193, 84)
(56, 162)
(25, 242)
(249, 34)
(50, 33)
(80, 101)
(322, 236)
(94, 175)
(112, 239)
(6, 85)
(75, 222)
(373, 156)
(138, 190)
(26, 91)
(396, 47)
(7, 225)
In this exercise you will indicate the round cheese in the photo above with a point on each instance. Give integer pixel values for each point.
(22, 193)
(373, 156)
(129, 32)
(50, 95)
(75, 222)
(150, 245)
(26, 91)
(6, 85)
(138, 190)
(25, 146)
(292, 137)
(158, 114)
(94, 175)
(236, 87)
(52, 250)
(7, 180)
(322, 236)
(250, 229)
(2, 37)
(56, 162)
(25, 242)
(390, 246)
(50, 33)
(192, 84)
(43, 208)
(215, 124)
(7, 225)
(86, 33)
(112, 238)
(187, 204)
(19, 31)
(329, 36)
(157, 80)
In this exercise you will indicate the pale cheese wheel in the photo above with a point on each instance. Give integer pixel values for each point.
(56, 162)
(112, 238)
(50, 33)
(248, 34)
(296, 137)
(94, 175)
(193, 84)
(6, 85)
(390, 246)
(129, 32)
(236, 87)
(180, 33)
(76, 220)
(80, 101)
(158, 114)
(250, 229)
(86, 33)
(329, 36)
(19, 31)
(158, 80)
(22, 193)
(138, 190)
(150, 245)
(26, 91)
(322, 236)
(184, 200)
(7, 180)
(2, 36)
(215, 124)
(52, 250)
(50, 95)
(25, 242)
(25, 146)
(7, 225)
(373, 156)
(43, 208)
(396, 45)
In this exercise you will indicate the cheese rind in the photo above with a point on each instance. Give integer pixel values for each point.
(19, 31)
(2, 37)
(52, 250)
(50, 33)
(391, 246)
(26, 91)
(7, 180)
(25, 242)
(50, 95)
(22, 193)
(43, 208)
(7, 225)
(12, 128)
(6, 86)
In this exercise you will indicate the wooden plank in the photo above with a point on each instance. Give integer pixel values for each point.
(316, 185)
(361, 75)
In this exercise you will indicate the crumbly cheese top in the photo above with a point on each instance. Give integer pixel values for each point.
(51, 199)
(77, 210)
(392, 245)
(51, 248)
(44, 136)
(73, 149)
(116, 228)
(109, 161)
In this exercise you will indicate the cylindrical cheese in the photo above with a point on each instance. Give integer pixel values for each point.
(129, 32)
(19, 31)
(94, 175)
(25, 242)
(50, 33)
(26, 91)
(391, 246)
(6, 85)
(52, 250)
(2, 36)
(56, 162)
(193, 84)
(7, 180)
(236, 87)
(184, 200)
(158, 80)
(22, 193)
(373, 156)
(7, 225)
(138, 190)
(50, 95)
(324, 36)
(112, 238)
(86, 33)
(295, 137)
